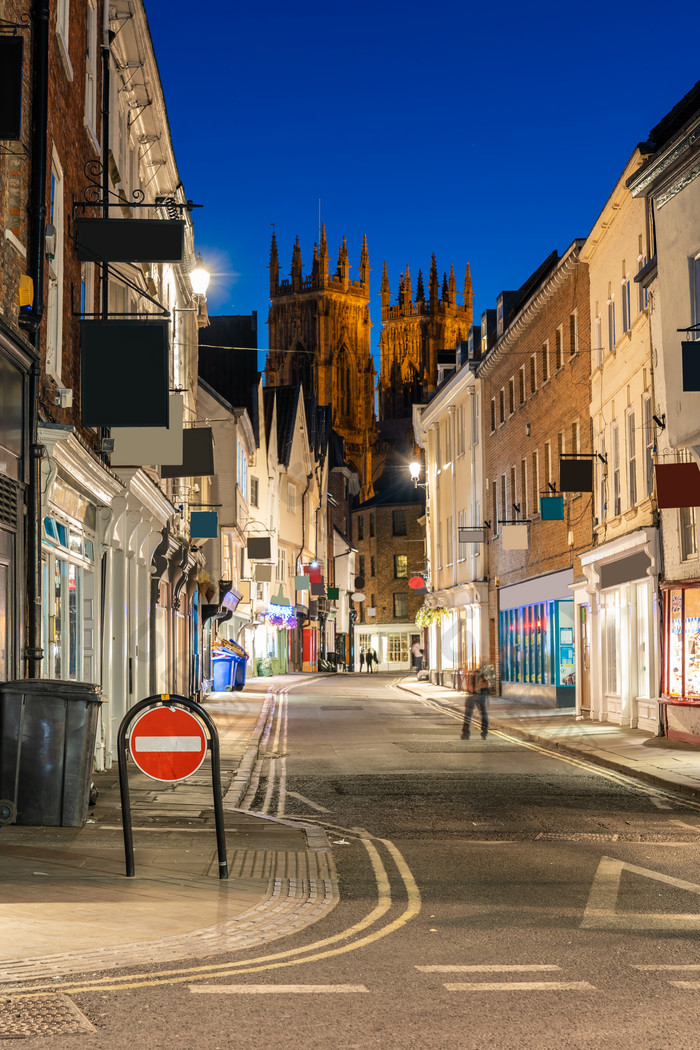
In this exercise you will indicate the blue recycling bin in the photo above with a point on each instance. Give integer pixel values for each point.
(238, 675)
(223, 670)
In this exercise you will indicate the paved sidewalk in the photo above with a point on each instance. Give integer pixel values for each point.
(66, 905)
(666, 763)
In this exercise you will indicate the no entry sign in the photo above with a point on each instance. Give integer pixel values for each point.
(167, 743)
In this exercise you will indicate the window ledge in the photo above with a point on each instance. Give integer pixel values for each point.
(65, 59)
(91, 136)
(16, 243)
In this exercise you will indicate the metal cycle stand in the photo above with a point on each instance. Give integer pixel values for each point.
(169, 700)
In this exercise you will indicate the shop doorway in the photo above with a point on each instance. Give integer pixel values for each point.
(585, 660)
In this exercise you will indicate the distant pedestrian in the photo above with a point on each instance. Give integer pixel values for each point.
(417, 654)
(371, 659)
(477, 699)
(362, 659)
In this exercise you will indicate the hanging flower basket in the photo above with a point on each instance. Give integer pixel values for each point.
(427, 616)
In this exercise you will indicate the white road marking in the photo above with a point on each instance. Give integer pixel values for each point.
(666, 966)
(167, 743)
(308, 802)
(656, 801)
(685, 984)
(522, 986)
(682, 824)
(276, 989)
(488, 968)
(602, 900)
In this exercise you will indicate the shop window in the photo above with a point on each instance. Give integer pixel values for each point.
(683, 646)
(612, 642)
(396, 648)
(643, 639)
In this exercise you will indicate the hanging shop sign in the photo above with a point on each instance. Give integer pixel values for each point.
(124, 374)
(358, 596)
(11, 59)
(514, 538)
(301, 583)
(552, 508)
(204, 524)
(258, 548)
(575, 475)
(470, 535)
(690, 360)
(333, 594)
(677, 485)
(130, 240)
(151, 446)
(197, 455)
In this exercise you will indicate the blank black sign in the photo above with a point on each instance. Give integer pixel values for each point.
(11, 55)
(124, 373)
(576, 475)
(130, 240)
(691, 365)
(197, 455)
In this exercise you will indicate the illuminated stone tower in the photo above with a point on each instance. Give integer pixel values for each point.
(414, 333)
(319, 335)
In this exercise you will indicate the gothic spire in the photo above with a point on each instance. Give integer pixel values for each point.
(468, 296)
(453, 286)
(433, 286)
(364, 262)
(407, 291)
(385, 291)
(343, 261)
(420, 291)
(445, 289)
(323, 253)
(274, 265)
(296, 265)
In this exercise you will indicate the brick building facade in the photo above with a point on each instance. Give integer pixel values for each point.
(389, 536)
(536, 397)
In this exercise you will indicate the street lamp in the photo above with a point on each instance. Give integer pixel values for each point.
(415, 469)
(200, 277)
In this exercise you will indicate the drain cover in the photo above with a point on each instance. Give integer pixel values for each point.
(45, 1015)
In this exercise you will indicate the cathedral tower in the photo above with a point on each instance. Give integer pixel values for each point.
(414, 333)
(319, 335)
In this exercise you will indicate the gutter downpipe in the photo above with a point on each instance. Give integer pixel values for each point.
(36, 210)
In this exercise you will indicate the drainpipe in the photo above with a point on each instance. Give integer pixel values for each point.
(36, 210)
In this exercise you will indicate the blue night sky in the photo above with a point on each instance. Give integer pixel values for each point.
(491, 135)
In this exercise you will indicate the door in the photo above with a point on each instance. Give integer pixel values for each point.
(584, 660)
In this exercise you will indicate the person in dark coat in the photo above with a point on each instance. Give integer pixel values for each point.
(362, 659)
(477, 699)
(371, 659)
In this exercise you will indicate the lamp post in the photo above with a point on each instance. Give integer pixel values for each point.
(199, 277)
(415, 469)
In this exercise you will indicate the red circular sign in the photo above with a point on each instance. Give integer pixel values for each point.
(167, 743)
(416, 582)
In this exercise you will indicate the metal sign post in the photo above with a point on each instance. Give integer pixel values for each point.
(167, 743)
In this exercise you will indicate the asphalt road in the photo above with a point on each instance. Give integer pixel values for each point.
(492, 895)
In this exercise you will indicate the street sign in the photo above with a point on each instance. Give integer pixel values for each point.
(167, 743)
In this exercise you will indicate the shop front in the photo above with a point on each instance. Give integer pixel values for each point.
(537, 648)
(618, 626)
(681, 661)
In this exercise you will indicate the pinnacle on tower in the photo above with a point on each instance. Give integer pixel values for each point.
(385, 291)
(343, 261)
(364, 262)
(453, 286)
(433, 286)
(323, 253)
(468, 296)
(420, 291)
(314, 264)
(274, 265)
(400, 289)
(407, 291)
(445, 289)
(296, 264)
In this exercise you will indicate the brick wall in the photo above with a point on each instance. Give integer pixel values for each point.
(557, 402)
(383, 546)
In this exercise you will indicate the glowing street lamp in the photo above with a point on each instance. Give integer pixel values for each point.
(415, 469)
(200, 277)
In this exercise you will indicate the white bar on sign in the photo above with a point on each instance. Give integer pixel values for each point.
(168, 743)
